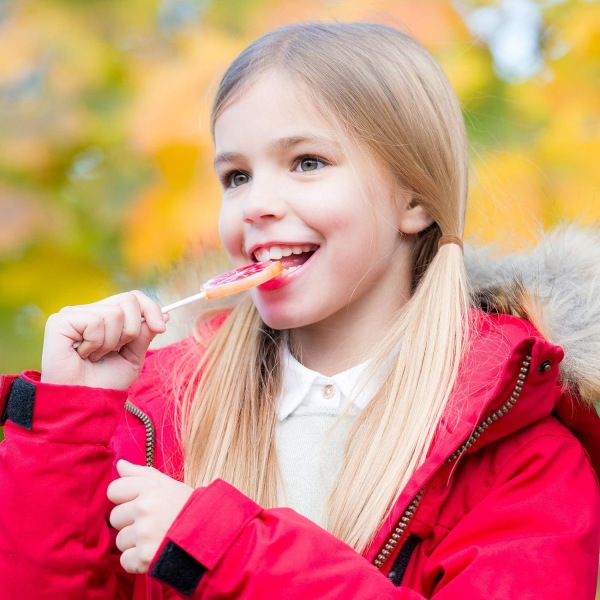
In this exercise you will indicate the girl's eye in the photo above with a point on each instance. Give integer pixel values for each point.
(236, 179)
(309, 163)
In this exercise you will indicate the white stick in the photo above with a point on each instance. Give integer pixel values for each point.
(183, 302)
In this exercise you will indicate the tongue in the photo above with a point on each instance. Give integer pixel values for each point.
(295, 260)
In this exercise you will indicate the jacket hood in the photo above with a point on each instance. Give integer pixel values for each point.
(556, 286)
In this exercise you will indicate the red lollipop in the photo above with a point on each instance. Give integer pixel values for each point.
(233, 282)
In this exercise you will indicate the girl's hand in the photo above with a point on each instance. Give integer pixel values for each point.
(147, 503)
(113, 339)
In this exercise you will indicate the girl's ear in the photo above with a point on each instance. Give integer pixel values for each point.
(414, 218)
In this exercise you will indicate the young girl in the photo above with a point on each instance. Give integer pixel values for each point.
(354, 428)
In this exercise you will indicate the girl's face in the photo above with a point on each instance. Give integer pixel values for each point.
(292, 192)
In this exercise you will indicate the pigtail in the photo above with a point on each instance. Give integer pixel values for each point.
(229, 407)
(390, 438)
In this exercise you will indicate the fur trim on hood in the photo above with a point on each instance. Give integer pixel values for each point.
(555, 285)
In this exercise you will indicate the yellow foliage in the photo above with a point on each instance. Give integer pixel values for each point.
(165, 220)
(51, 279)
(432, 22)
(40, 33)
(469, 70)
(173, 98)
(506, 199)
(579, 28)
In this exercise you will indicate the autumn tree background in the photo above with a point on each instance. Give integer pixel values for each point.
(105, 153)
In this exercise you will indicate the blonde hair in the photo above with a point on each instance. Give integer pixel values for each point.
(388, 95)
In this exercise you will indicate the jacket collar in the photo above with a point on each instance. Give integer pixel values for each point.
(508, 380)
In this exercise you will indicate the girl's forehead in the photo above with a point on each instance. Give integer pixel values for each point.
(274, 103)
(271, 89)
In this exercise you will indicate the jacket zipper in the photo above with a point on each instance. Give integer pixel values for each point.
(150, 434)
(399, 531)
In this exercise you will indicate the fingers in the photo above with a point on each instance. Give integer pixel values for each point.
(130, 515)
(147, 503)
(126, 538)
(136, 556)
(99, 329)
(122, 516)
(126, 488)
(133, 562)
(150, 311)
(143, 321)
(103, 344)
(129, 469)
(111, 324)
(133, 480)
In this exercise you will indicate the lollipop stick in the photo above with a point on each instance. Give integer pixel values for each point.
(188, 300)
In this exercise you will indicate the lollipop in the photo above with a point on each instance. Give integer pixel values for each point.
(232, 282)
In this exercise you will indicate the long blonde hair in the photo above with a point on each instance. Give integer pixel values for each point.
(388, 95)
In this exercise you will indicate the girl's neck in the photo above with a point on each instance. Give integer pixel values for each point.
(332, 346)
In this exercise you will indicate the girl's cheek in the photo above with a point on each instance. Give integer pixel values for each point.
(226, 221)
(230, 232)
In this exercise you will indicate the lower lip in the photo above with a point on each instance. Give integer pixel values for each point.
(286, 278)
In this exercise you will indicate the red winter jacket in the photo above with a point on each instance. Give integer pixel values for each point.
(506, 505)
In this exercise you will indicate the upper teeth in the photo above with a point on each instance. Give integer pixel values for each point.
(277, 252)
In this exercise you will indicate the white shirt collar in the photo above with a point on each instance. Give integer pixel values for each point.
(303, 386)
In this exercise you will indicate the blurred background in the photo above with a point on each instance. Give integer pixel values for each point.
(105, 153)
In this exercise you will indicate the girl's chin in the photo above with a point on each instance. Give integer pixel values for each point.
(278, 321)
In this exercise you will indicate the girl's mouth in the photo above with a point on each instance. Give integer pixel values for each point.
(291, 257)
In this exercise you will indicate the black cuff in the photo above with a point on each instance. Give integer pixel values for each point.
(177, 568)
(19, 405)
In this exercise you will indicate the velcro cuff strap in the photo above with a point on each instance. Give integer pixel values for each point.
(211, 521)
(177, 568)
(19, 404)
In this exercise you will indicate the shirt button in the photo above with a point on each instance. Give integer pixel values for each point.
(328, 391)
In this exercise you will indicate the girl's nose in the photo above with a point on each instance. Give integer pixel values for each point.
(262, 203)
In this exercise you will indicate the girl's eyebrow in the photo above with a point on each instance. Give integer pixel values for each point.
(284, 143)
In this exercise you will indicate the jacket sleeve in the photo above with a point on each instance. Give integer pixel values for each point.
(55, 466)
(535, 534)
(224, 545)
